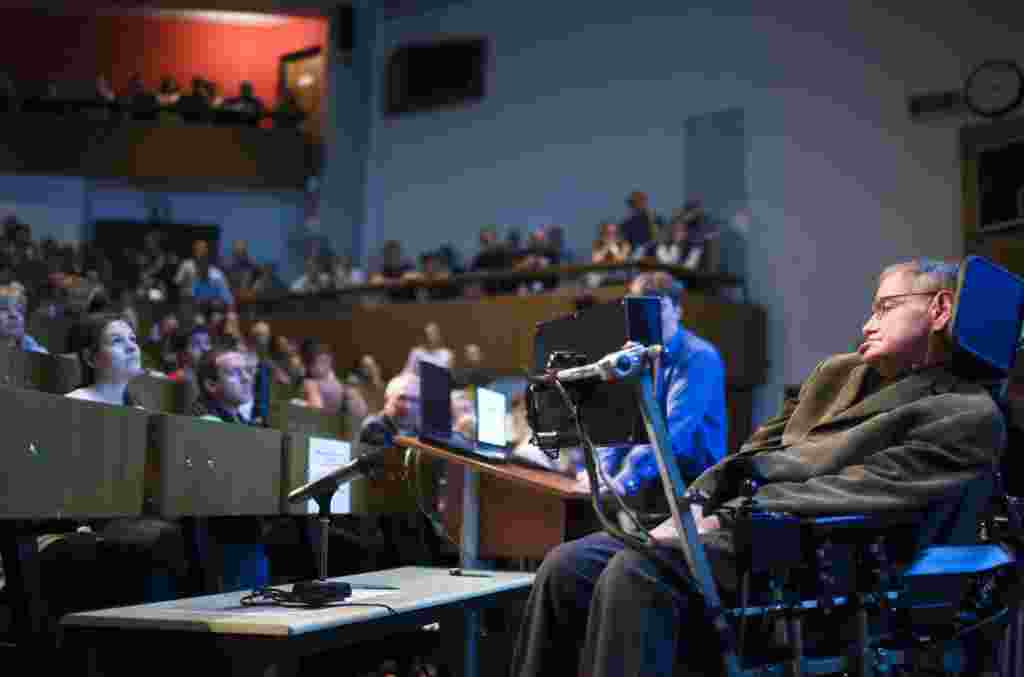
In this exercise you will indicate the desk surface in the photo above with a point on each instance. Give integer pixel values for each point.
(545, 481)
(419, 588)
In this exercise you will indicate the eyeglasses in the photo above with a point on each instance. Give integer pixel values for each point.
(881, 307)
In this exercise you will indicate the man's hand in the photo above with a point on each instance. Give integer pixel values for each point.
(666, 534)
(583, 484)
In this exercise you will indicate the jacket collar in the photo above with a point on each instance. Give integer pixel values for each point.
(914, 385)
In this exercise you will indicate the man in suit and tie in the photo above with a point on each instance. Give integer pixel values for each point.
(888, 428)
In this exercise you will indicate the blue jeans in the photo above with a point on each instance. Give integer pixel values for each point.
(630, 616)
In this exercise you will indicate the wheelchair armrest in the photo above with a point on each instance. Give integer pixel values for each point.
(771, 540)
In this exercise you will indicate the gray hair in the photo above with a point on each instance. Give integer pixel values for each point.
(926, 274)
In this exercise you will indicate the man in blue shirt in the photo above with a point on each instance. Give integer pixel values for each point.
(12, 321)
(690, 390)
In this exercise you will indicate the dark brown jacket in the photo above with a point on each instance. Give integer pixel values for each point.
(849, 444)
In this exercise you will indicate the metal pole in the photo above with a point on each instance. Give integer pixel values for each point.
(675, 491)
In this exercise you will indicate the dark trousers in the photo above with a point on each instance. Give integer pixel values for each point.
(626, 612)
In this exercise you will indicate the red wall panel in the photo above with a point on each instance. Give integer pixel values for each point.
(38, 47)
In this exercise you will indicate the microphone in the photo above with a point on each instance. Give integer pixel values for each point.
(329, 483)
(612, 367)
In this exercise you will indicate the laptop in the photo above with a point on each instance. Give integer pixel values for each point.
(436, 422)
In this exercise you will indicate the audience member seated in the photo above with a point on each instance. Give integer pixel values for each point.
(266, 281)
(168, 93)
(12, 320)
(197, 277)
(195, 106)
(346, 274)
(321, 388)
(287, 360)
(314, 279)
(641, 226)
(472, 371)
(889, 428)
(401, 412)
(392, 265)
(287, 113)
(371, 373)
(142, 103)
(258, 345)
(160, 345)
(247, 106)
(240, 269)
(675, 246)
(432, 269)
(225, 384)
(433, 351)
(556, 240)
(189, 348)
(609, 247)
(110, 358)
(104, 93)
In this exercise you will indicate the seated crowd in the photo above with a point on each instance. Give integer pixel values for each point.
(201, 103)
(921, 432)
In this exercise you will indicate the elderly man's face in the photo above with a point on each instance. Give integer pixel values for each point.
(234, 380)
(902, 318)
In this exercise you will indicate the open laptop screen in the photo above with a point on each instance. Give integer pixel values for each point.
(490, 417)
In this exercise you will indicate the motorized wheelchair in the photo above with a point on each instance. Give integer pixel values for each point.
(854, 594)
(935, 592)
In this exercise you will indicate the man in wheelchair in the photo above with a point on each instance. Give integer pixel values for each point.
(892, 430)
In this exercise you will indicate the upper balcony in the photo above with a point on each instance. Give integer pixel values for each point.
(161, 148)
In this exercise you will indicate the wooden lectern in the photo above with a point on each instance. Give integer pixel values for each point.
(509, 510)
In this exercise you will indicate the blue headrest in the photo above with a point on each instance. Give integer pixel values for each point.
(987, 314)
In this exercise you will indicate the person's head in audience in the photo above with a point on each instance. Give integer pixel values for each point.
(513, 238)
(317, 359)
(190, 346)
(225, 381)
(402, 401)
(12, 315)
(104, 92)
(136, 86)
(433, 333)
(608, 232)
(488, 237)
(240, 250)
(911, 310)
(671, 293)
(259, 337)
(109, 354)
(371, 370)
(200, 250)
(473, 355)
(391, 254)
(232, 325)
(637, 201)
(246, 90)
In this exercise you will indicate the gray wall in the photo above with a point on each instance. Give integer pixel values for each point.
(591, 100)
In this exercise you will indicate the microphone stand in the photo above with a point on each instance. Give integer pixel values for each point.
(320, 587)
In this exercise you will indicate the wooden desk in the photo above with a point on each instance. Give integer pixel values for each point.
(509, 510)
(188, 632)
